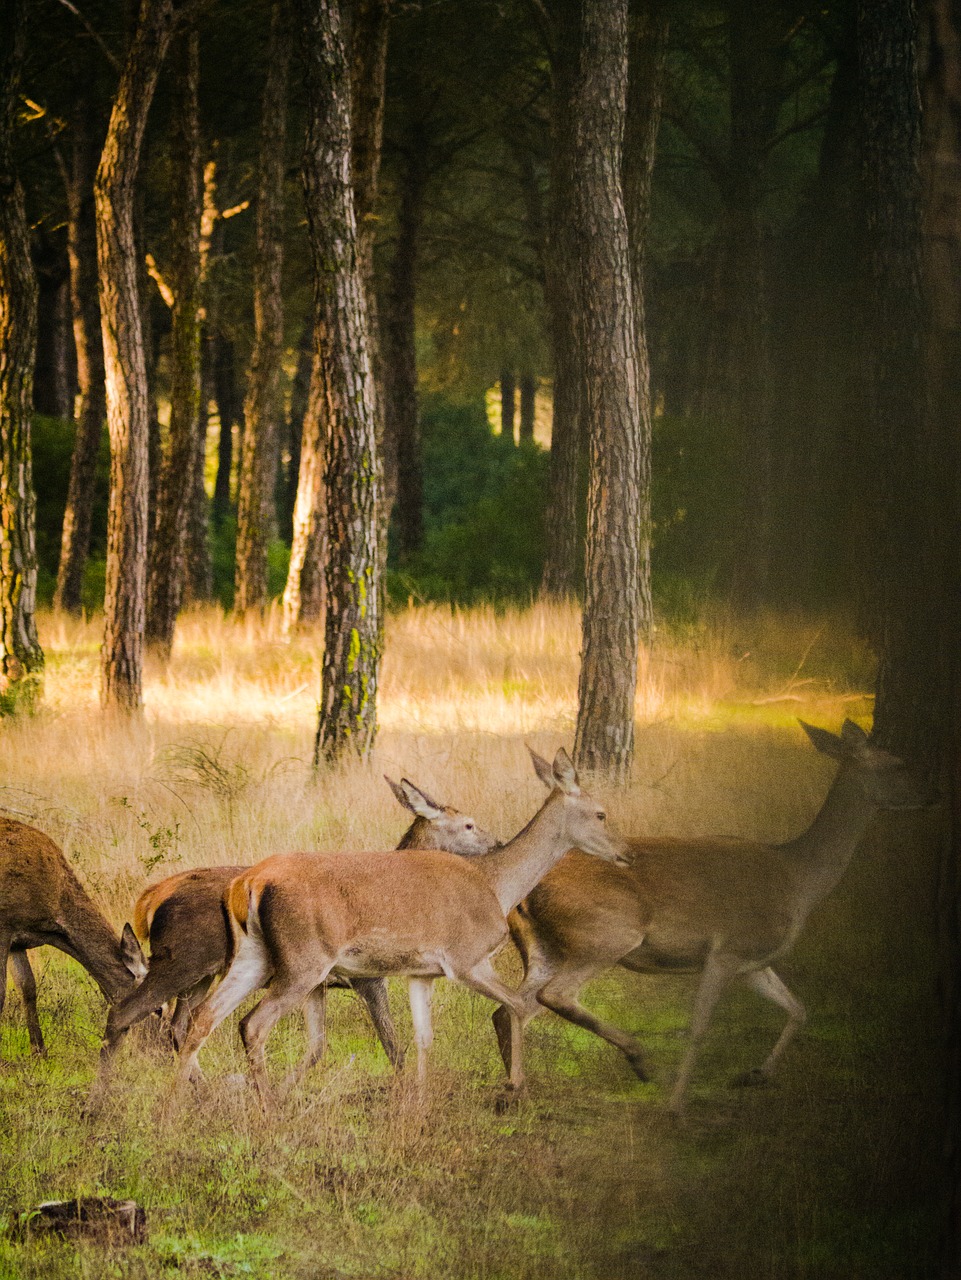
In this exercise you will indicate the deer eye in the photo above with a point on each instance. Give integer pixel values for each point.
(468, 826)
(601, 814)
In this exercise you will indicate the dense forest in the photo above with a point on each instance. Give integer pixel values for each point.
(329, 308)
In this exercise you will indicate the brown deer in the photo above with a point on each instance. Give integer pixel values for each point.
(183, 919)
(42, 903)
(295, 918)
(724, 907)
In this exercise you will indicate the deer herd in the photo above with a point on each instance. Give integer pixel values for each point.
(575, 899)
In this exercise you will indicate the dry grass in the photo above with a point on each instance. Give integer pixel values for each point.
(826, 1176)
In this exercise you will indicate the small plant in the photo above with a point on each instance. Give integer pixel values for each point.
(164, 841)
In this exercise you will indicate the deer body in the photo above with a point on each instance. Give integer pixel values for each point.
(42, 903)
(297, 917)
(725, 908)
(183, 918)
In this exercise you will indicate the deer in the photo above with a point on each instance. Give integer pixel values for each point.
(42, 903)
(183, 920)
(726, 908)
(296, 918)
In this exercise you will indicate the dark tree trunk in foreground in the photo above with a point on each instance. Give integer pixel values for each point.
(82, 250)
(605, 315)
(508, 385)
(21, 658)
(562, 561)
(528, 403)
(647, 49)
(128, 407)
(263, 409)
(166, 567)
(348, 710)
(405, 478)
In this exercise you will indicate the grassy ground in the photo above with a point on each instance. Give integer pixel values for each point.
(832, 1173)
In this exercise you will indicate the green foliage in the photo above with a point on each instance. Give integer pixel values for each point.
(483, 512)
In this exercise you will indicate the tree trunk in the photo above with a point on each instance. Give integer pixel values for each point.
(605, 318)
(304, 592)
(21, 658)
(228, 410)
(404, 479)
(348, 710)
(508, 386)
(263, 408)
(128, 409)
(528, 404)
(562, 562)
(166, 568)
(52, 380)
(299, 395)
(82, 251)
(198, 569)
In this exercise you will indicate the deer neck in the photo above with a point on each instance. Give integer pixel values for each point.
(824, 851)
(94, 944)
(513, 870)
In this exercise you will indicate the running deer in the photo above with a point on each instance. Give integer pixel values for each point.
(295, 918)
(725, 907)
(42, 903)
(183, 919)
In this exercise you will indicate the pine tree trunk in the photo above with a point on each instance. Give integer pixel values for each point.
(304, 592)
(21, 658)
(225, 394)
(647, 51)
(52, 365)
(198, 567)
(605, 316)
(82, 251)
(562, 562)
(404, 478)
(348, 711)
(294, 427)
(128, 407)
(166, 568)
(528, 404)
(508, 386)
(263, 409)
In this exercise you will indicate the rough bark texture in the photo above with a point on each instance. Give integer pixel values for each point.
(528, 404)
(128, 408)
(562, 561)
(82, 250)
(165, 579)
(404, 480)
(348, 711)
(646, 60)
(605, 315)
(263, 408)
(21, 658)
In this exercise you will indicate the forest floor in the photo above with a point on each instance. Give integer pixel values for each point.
(832, 1172)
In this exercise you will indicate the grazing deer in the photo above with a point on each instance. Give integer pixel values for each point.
(42, 903)
(725, 907)
(295, 918)
(183, 919)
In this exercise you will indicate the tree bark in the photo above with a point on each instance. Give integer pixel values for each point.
(166, 568)
(562, 561)
(128, 409)
(528, 404)
(304, 591)
(228, 410)
(82, 251)
(605, 318)
(263, 409)
(21, 658)
(52, 381)
(348, 710)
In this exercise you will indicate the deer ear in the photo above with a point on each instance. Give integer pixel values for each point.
(398, 793)
(132, 952)
(419, 802)
(542, 769)
(565, 775)
(829, 744)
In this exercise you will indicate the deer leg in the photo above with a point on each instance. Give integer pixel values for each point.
(767, 984)
(484, 978)
(373, 992)
(419, 992)
(6, 937)
(187, 1003)
(27, 986)
(560, 995)
(315, 1017)
(258, 1024)
(717, 974)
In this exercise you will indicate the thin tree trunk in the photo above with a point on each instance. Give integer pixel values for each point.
(165, 584)
(647, 56)
(228, 410)
(605, 314)
(348, 710)
(198, 575)
(263, 408)
(128, 409)
(304, 592)
(562, 565)
(21, 658)
(82, 250)
(52, 366)
(508, 385)
(294, 427)
(528, 404)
